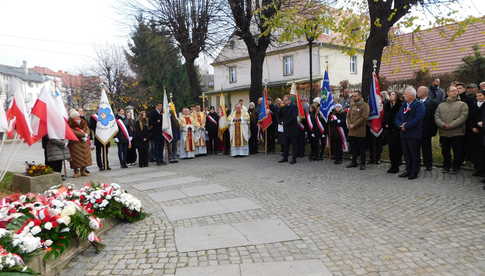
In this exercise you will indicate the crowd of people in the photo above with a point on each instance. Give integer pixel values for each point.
(411, 119)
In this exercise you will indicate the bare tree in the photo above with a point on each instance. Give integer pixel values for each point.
(191, 23)
(250, 19)
(112, 68)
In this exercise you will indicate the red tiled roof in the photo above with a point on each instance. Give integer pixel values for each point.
(432, 50)
(68, 80)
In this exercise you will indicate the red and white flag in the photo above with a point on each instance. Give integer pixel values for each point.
(17, 113)
(49, 116)
(166, 123)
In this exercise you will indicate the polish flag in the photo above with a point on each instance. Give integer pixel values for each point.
(49, 116)
(17, 113)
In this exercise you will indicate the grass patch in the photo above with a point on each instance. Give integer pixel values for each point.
(5, 184)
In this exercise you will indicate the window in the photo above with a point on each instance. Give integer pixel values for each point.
(353, 64)
(232, 74)
(287, 65)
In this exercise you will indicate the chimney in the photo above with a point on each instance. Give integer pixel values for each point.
(24, 66)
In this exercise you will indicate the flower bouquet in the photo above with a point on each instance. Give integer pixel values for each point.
(34, 223)
(32, 169)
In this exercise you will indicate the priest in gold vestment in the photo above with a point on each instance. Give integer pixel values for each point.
(239, 131)
(187, 135)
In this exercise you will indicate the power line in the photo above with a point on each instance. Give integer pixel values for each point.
(45, 40)
(44, 50)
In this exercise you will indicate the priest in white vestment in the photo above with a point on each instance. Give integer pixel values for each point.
(239, 131)
(187, 135)
(200, 136)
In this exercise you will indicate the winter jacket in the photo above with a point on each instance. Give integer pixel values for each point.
(454, 113)
(56, 150)
(357, 116)
(429, 125)
(80, 150)
(411, 115)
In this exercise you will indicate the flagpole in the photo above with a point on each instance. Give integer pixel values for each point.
(329, 135)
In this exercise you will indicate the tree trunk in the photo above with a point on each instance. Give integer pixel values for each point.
(374, 48)
(257, 62)
(195, 90)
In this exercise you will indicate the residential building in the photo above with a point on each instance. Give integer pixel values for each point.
(32, 79)
(284, 63)
(436, 50)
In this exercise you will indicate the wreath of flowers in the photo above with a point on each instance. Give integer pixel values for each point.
(32, 169)
(34, 223)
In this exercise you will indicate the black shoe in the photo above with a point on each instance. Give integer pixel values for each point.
(337, 162)
(393, 170)
(108, 169)
(429, 168)
(352, 165)
(445, 170)
(293, 161)
(414, 176)
(284, 160)
(362, 167)
(124, 167)
(404, 174)
(101, 169)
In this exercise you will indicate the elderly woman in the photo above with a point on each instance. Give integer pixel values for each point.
(239, 131)
(56, 152)
(80, 150)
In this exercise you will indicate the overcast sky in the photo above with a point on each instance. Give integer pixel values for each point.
(63, 34)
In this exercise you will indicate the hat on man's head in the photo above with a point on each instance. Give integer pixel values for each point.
(317, 100)
(472, 85)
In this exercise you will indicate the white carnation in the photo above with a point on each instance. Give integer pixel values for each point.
(35, 230)
(48, 225)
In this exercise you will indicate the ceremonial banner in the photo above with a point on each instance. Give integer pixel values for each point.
(326, 102)
(264, 117)
(49, 116)
(223, 125)
(166, 123)
(298, 102)
(376, 109)
(17, 113)
(106, 127)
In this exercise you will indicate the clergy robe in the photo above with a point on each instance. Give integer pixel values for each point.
(200, 144)
(239, 133)
(187, 137)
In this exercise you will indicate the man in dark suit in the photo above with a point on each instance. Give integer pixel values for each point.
(410, 121)
(288, 116)
(429, 127)
(122, 138)
(155, 122)
(212, 127)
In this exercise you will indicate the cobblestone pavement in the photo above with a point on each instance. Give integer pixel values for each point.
(354, 222)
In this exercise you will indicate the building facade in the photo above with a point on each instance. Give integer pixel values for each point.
(284, 64)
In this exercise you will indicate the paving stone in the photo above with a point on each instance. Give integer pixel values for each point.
(209, 208)
(204, 190)
(231, 235)
(167, 195)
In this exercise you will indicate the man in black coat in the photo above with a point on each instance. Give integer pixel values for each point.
(212, 127)
(435, 92)
(468, 96)
(101, 155)
(289, 119)
(158, 141)
(477, 115)
(429, 127)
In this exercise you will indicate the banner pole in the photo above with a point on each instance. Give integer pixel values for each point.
(105, 155)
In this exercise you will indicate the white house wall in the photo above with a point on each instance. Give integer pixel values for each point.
(338, 62)
(339, 66)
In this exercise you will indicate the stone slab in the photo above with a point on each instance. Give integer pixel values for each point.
(210, 208)
(165, 183)
(293, 268)
(143, 177)
(223, 270)
(231, 235)
(129, 171)
(167, 195)
(204, 190)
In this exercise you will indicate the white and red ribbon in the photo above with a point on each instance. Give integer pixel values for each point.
(123, 128)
